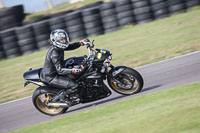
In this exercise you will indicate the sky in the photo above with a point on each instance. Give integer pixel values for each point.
(31, 6)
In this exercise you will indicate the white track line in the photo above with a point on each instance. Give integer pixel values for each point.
(15, 100)
(177, 57)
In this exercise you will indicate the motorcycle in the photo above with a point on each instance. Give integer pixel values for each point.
(94, 82)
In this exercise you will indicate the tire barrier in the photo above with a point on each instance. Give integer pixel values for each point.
(191, 3)
(74, 25)
(41, 31)
(142, 11)
(124, 12)
(9, 43)
(2, 55)
(57, 23)
(93, 19)
(159, 8)
(176, 6)
(109, 17)
(26, 39)
(11, 17)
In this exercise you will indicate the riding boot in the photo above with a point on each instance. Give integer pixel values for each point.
(67, 92)
(72, 90)
(63, 94)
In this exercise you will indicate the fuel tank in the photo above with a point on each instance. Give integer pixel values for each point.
(73, 61)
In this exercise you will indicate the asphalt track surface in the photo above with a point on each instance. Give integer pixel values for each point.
(157, 76)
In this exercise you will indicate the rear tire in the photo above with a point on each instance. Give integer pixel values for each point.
(40, 98)
(129, 75)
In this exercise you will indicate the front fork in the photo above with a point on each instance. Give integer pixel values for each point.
(114, 72)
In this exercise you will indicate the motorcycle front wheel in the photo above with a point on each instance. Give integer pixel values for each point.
(40, 100)
(131, 82)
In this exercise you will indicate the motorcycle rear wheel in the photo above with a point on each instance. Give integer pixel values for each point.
(40, 100)
(132, 80)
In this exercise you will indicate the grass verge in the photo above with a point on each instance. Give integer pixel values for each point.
(175, 110)
(132, 46)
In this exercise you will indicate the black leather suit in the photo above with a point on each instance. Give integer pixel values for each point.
(53, 70)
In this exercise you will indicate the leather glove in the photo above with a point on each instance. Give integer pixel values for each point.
(84, 42)
(77, 70)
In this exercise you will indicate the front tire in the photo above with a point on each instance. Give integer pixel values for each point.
(40, 100)
(130, 78)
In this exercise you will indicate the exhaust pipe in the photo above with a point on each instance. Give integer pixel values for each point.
(58, 105)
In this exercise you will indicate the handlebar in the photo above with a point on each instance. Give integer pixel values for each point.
(90, 48)
(91, 54)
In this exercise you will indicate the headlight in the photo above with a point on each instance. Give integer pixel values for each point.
(110, 57)
(107, 61)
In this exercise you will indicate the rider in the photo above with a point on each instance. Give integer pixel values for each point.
(53, 70)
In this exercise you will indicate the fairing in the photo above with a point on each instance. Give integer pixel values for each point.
(32, 74)
(102, 54)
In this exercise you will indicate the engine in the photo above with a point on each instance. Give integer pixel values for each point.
(93, 89)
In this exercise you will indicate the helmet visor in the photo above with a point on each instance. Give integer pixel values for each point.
(63, 40)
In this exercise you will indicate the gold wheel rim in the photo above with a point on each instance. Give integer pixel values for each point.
(133, 90)
(42, 101)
